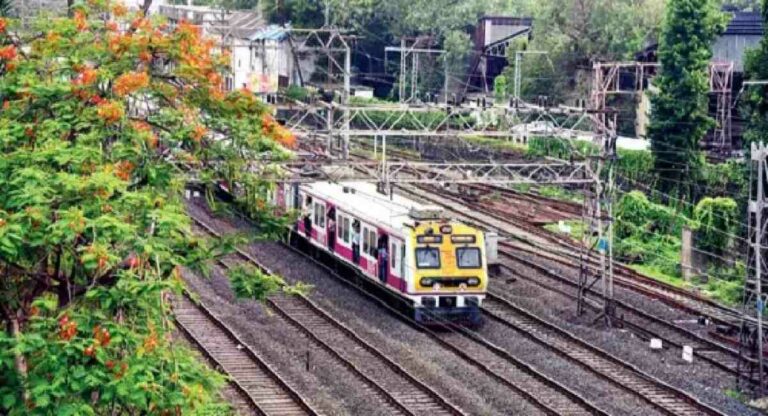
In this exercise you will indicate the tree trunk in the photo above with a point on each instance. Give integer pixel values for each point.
(20, 362)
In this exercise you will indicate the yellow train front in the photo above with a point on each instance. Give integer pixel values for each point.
(450, 274)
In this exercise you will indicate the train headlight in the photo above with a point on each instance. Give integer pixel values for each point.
(462, 287)
(436, 287)
(473, 281)
(426, 281)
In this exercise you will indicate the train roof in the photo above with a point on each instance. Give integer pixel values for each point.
(363, 200)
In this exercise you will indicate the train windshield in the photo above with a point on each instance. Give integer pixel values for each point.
(468, 257)
(427, 258)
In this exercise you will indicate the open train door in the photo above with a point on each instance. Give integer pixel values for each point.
(383, 257)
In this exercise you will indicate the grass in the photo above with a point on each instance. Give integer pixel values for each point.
(498, 144)
(560, 194)
(656, 273)
(577, 228)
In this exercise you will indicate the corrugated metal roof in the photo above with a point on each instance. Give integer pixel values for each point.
(271, 32)
(745, 23)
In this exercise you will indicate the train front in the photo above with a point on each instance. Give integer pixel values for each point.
(450, 274)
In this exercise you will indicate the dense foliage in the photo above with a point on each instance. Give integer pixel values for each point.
(679, 116)
(715, 222)
(105, 116)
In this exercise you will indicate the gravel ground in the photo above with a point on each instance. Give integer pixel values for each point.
(445, 371)
(703, 381)
(285, 348)
(606, 395)
(459, 382)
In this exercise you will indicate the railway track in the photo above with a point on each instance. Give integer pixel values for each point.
(655, 392)
(545, 393)
(397, 390)
(713, 352)
(261, 390)
(642, 323)
(563, 251)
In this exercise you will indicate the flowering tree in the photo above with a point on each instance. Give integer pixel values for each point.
(105, 116)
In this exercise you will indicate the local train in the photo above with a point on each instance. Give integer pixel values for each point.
(437, 265)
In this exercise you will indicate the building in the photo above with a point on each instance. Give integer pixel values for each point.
(493, 36)
(262, 60)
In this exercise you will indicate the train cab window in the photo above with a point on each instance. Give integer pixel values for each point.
(468, 257)
(427, 258)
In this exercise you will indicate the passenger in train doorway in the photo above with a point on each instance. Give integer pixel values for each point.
(331, 228)
(356, 241)
(383, 259)
(308, 217)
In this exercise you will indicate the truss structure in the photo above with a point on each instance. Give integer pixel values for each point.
(630, 78)
(330, 42)
(411, 47)
(439, 120)
(405, 172)
(751, 364)
(625, 78)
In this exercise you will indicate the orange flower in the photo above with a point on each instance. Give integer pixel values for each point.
(214, 78)
(130, 82)
(80, 21)
(3, 25)
(86, 76)
(198, 132)
(111, 26)
(123, 170)
(119, 9)
(52, 37)
(267, 123)
(145, 56)
(284, 136)
(110, 111)
(6, 104)
(8, 52)
(140, 23)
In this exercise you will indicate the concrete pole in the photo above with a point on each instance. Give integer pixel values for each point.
(759, 266)
(401, 87)
(516, 82)
(347, 89)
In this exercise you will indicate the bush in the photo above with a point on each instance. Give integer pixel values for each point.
(715, 221)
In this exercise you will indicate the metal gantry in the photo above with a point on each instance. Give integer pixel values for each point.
(408, 172)
(752, 337)
(329, 42)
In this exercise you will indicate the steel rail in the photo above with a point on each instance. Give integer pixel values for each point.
(659, 394)
(581, 405)
(229, 344)
(397, 400)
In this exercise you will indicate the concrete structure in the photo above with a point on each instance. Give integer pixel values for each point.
(494, 35)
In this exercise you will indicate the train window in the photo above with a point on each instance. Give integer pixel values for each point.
(346, 229)
(372, 243)
(366, 241)
(393, 256)
(427, 258)
(320, 215)
(402, 260)
(369, 242)
(468, 257)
